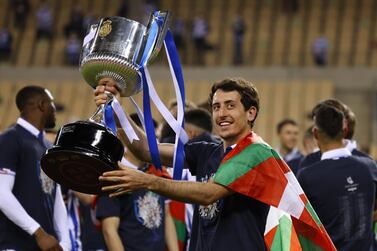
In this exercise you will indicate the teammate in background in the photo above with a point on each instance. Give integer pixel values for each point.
(341, 187)
(348, 141)
(32, 211)
(288, 132)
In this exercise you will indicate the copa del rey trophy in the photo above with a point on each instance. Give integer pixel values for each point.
(116, 47)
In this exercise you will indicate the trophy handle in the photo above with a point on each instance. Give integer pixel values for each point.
(158, 16)
(98, 116)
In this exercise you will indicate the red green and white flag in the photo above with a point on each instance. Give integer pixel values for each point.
(279, 233)
(256, 170)
(177, 211)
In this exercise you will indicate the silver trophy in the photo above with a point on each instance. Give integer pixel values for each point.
(115, 47)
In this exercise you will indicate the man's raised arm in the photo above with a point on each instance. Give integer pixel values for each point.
(138, 147)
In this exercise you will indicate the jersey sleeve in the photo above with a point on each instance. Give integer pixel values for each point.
(107, 207)
(193, 153)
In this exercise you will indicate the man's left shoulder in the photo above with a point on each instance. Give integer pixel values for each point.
(356, 152)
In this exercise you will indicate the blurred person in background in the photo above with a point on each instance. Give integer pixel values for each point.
(342, 188)
(32, 211)
(349, 142)
(166, 134)
(288, 133)
(239, 29)
(198, 125)
(5, 44)
(76, 23)
(44, 21)
(72, 50)
(21, 10)
(199, 33)
(320, 49)
(179, 34)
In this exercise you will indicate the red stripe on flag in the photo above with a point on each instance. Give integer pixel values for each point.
(284, 167)
(269, 237)
(177, 210)
(264, 182)
(313, 232)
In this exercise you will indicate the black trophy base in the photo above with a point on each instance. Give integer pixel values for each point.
(77, 170)
(82, 152)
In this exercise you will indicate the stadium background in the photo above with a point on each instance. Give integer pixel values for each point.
(276, 48)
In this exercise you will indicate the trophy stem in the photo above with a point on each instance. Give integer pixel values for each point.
(98, 116)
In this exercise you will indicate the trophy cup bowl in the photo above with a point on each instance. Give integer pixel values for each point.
(116, 51)
(83, 150)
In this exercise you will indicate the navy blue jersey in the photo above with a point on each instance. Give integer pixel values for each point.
(236, 222)
(295, 163)
(91, 238)
(142, 219)
(342, 192)
(20, 152)
(314, 157)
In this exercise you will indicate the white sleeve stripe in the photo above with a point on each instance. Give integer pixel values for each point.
(7, 171)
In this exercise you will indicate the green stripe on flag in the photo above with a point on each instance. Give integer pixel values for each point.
(282, 239)
(308, 245)
(250, 157)
(275, 154)
(180, 228)
(313, 213)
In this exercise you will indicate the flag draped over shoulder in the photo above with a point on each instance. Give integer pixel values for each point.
(256, 170)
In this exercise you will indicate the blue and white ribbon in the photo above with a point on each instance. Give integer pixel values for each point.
(149, 92)
(73, 222)
(124, 123)
(109, 118)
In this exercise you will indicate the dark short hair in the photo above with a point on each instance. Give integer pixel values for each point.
(329, 120)
(285, 122)
(200, 118)
(135, 118)
(348, 115)
(248, 92)
(27, 94)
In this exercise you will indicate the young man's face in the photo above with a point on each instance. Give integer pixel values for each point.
(229, 116)
(289, 136)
